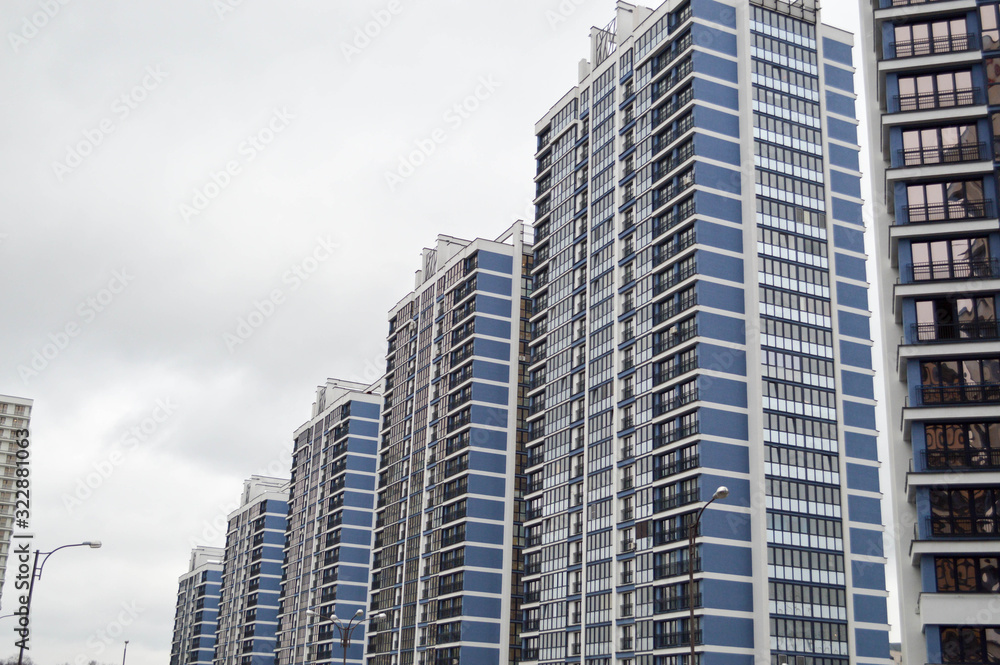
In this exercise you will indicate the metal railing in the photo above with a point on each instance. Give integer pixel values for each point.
(964, 526)
(939, 100)
(934, 460)
(969, 393)
(952, 332)
(949, 44)
(948, 154)
(949, 270)
(947, 212)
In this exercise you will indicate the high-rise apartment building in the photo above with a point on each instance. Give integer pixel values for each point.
(700, 319)
(933, 87)
(197, 614)
(448, 535)
(330, 517)
(15, 417)
(251, 574)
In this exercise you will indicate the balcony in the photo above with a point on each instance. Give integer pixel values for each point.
(938, 100)
(949, 154)
(675, 604)
(677, 401)
(963, 460)
(949, 212)
(670, 340)
(969, 393)
(677, 434)
(945, 270)
(888, 4)
(671, 640)
(927, 333)
(961, 527)
(936, 46)
(675, 501)
(675, 569)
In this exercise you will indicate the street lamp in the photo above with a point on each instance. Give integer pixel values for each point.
(348, 630)
(720, 493)
(124, 651)
(36, 574)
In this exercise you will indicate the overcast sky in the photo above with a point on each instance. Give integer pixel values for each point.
(172, 168)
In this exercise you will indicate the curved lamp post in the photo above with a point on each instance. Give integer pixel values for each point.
(720, 493)
(36, 574)
(345, 631)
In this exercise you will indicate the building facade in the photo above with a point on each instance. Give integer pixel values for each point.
(448, 535)
(197, 613)
(251, 574)
(330, 518)
(700, 319)
(933, 84)
(15, 416)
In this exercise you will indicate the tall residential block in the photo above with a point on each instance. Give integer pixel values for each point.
(933, 87)
(251, 574)
(197, 613)
(15, 418)
(701, 319)
(448, 535)
(330, 518)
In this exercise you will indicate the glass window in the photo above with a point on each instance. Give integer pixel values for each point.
(927, 38)
(959, 258)
(942, 201)
(991, 27)
(932, 91)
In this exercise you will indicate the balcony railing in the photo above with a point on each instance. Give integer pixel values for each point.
(954, 332)
(885, 4)
(949, 212)
(676, 604)
(961, 459)
(945, 270)
(675, 402)
(675, 569)
(660, 440)
(675, 501)
(949, 154)
(949, 44)
(670, 640)
(969, 393)
(939, 100)
(964, 526)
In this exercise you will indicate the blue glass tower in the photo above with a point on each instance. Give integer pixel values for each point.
(328, 542)
(448, 535)
(933, 80)
(700, 319)
(197, 614)
(251, 575)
